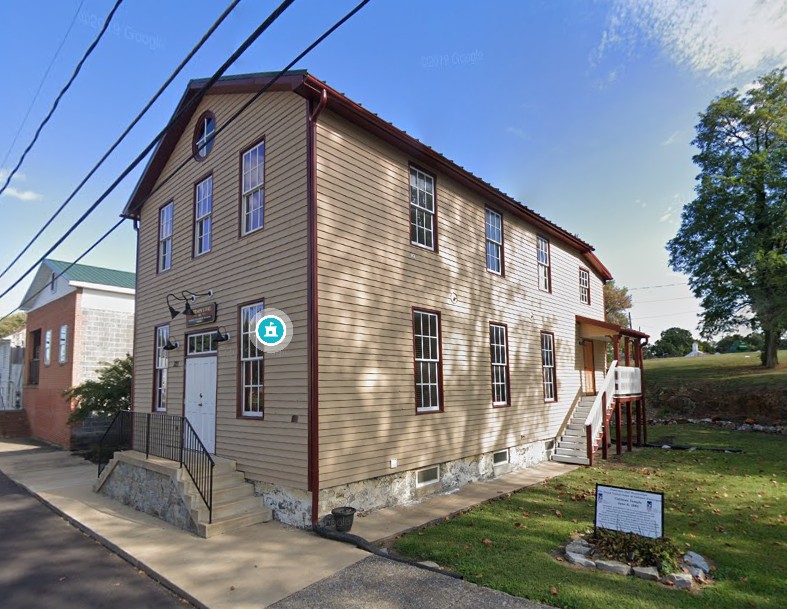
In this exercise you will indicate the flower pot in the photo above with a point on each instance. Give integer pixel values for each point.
(343, 518)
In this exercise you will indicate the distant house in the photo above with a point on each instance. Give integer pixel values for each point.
(74, 323)
(12, 363)
(442, 331)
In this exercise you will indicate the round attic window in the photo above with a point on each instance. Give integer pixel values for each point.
(203, 135)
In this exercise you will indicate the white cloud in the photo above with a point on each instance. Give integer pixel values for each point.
(22, 195)
(671, 139)
(17, 176)
(520, 133)
(716, 37)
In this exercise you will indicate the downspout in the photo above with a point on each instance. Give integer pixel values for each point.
(313, 114)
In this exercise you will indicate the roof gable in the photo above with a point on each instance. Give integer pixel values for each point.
(78, 274)
(306, 85)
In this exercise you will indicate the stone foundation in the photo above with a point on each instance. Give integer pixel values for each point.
(293, 506)
(148, 491)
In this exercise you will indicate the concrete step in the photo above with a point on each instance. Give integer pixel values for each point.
(571, 452)
(232, 493)
(576, 427)
(237, 522)
(227, 480)
(573, 460)
(572, 445)
(574, 433)
(231, 509)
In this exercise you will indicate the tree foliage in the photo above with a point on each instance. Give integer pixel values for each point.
(732, 241)
(617, 301)
(674, 342)
(12, 323)
(111, 393)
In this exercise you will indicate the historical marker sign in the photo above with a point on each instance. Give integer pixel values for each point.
(630, 510)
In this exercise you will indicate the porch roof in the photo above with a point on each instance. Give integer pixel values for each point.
(595, 329)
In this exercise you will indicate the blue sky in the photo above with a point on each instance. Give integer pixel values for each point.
(584, 111)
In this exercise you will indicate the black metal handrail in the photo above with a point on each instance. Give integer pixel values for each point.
(162, 435)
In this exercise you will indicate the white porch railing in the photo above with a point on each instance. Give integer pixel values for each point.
(594, 422)
(628, 381)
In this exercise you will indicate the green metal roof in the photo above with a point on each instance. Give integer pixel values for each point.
(93, 274)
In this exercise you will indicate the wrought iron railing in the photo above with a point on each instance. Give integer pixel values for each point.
(167, 436)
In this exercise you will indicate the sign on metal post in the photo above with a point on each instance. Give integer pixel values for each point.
(630, 510)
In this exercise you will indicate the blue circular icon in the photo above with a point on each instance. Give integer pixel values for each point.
(271, 330)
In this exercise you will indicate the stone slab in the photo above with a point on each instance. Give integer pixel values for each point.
(695, 560)
(613, 566)
(681, 581)
(579, 559)
(578, 548)
(649, 573)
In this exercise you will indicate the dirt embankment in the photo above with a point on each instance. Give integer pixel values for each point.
(767, 406)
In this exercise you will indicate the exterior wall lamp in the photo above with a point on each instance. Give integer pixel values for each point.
(188, 297)
(170, 346)
(222, 335)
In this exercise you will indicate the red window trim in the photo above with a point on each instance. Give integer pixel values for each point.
(502, 272)
(239, 369)
(441, 396)
(492, 368)
(554, 365)
(549, 266)
(434, 249)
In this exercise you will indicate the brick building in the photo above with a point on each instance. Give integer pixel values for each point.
(74, 323)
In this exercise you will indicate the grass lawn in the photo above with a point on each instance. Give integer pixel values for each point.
(731, 508)
(730, 370)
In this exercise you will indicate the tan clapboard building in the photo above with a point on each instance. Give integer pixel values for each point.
(443, 332)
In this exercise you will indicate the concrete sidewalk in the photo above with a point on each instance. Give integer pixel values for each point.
(250, 568)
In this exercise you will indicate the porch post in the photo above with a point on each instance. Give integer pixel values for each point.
(604, 427)
(616, 347)
(629, 439)
(627, 349)
(639, 421)
(618, 429)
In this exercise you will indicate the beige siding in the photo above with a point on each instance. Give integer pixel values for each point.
(269, 264)
(370, 277)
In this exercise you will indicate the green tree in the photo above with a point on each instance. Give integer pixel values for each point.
(674, 342)
(12, 323)
(732, 241)
(617, 301)
(111, 393)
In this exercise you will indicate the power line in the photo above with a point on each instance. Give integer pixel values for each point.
(650, 301)
(85, 253)
(123, 135)
(200, 94)
(665, 285)
(41, 84)
(259, 93)
(61, 94)
(327, 33)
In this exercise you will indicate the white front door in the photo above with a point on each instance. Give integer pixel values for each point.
(200, 406)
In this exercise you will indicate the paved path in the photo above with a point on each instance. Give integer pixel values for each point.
(255, 567)
(384, 584)
(46, 563)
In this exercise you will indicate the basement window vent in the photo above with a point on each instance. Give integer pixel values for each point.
(500, 457)
(425, 477)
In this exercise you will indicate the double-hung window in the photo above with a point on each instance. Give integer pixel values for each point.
(62, 350)
(584, 286)
(548, 366)
(498, 347)
(251, 363)
(494, 242)
(253, 195)
(544, 268)
(165, 237)
(203, 216)
(428, 361)
(48, 348)
(161, 365)
(422, 209)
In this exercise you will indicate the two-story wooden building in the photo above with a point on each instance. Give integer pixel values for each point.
(438, 323)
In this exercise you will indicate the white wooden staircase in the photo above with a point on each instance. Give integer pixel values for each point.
(572, 445)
